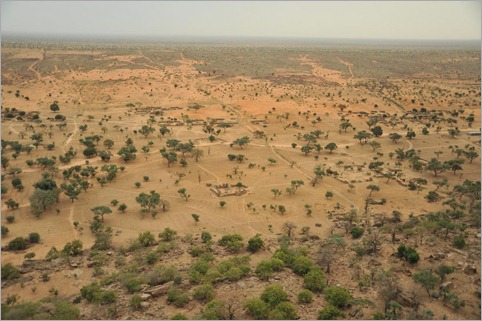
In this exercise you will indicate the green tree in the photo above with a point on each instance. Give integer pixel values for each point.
(426, 279)
(54, 107)
(101, 210)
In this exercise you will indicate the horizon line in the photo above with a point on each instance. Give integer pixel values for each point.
(224, 37)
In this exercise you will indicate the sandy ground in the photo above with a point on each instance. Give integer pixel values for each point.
(108, 93)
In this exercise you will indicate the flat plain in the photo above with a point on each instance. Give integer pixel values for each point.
(337, 160)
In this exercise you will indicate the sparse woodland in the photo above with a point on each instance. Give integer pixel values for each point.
(205, 182)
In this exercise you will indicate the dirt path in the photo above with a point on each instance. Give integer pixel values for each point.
(71, 221)
(349, 65)
(31, 68)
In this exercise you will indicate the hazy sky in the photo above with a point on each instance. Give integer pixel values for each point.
(312, 19)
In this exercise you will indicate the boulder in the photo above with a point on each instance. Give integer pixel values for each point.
(446, 286)
(470, 269)
(145, 296)
(159, 290)
(145, 305)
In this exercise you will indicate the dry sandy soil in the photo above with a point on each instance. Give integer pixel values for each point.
(117, 86)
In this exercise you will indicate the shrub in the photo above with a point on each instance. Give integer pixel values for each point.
(337, 296)
(459, 242)
(179, 316)
(52, 254)
(64, 310)
(330, 313)
(276, 264)
(305, 296)
(9, 272)
(132, 284)
(401, 250)
(214, 310)
(17, 244)
(274, 294)
(255, 243)
(356, 232)
(90, 292)
(408, 253)
(197, 251)
(257, 309)
(107, 297)
(4, 231)
(232, 242)
(234, 274)
(284, 311)
(162, 274)
(34, 237)
(10, 218)
(302, 265)
(314, 280)
(264, 270)
(20, 311)
(151, 258)
(146, 239)
(412, 256)
(177, 296)
(135, 302)
(73, 248)
(204, 293)
(206, 237)
(167, 235)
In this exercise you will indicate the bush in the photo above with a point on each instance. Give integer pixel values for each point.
(177, 296)
(356, 232)
(146, 239)
(214, 310)
(257, 309)
(9, 272)
(151, 258)
(4, 231)
(179, 316)
(206, 237)
(34, 237)
(90, 292)
(204, 293)
(314, 280)
(305, 296)
(73, 248)
(412, 256)
(459, 242)
(255, 243)
(276, 264)
(337, 296)
(284, 311)
(167, 235)
(274, 295)
(264, 270)
(197, 251)
(302, 265)
(17, 244)
(10, 218)
(401, 250)
(132, 284)
(232, 242)
(107, 297)
(162, 274)
(135, 302)
(330, 313)
(65, 311)
(20, 311)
